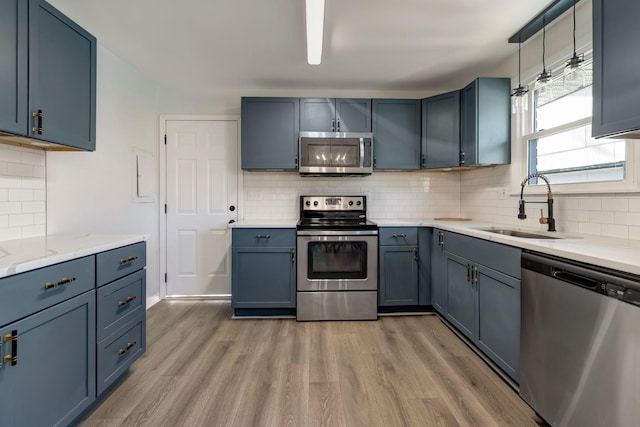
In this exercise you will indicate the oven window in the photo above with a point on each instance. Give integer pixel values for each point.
(337, 260)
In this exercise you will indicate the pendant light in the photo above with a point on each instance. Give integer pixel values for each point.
(574, 72)
(543, 83)
(518, 95)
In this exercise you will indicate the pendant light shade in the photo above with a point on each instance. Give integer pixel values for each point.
(519, 100)
(543, 85)
(574, 73)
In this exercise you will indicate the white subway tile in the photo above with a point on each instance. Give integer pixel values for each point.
(590, 204)
(34, 231)
(601, 217)
(3, 168)
(40, 195)
(10, 155)
(35, 158)
(10, 233)
(20, 195)
(618, 231)
(634, 205)
(10, 208)
(20, 220)
(18, 169)
(634, 232)
(4, 195)
(4, 221)
(34, 183)
(589, 228)
(39, 172)
(34, 207)
(10, 182)
(617, 205)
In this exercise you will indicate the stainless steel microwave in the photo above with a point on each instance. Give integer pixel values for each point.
(336, 153)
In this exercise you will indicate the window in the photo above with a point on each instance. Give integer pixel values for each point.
(560, 144)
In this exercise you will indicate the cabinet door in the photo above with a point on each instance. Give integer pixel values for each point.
(270, 133)
(62, 78)
(398, 275)
(396, 134)
(461, 295)
(616, 59)
(441, 131)
(13, 66)
(424, 265)
(499, 319)
(469, 124)
(438, 279)
(53, 379)
(263, 277)
(317, 114)
(353, 115)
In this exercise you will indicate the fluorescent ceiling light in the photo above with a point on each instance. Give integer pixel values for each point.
(315, 30)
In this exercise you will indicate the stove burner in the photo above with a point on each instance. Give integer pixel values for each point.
(334, 213)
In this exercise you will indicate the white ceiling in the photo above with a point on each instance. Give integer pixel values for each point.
(400, 45)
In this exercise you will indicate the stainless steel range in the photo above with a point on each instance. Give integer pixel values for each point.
(337, 251)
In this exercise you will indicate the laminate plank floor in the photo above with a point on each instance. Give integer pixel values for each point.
(202, 368)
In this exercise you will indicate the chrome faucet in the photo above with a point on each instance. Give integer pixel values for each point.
(549, 220)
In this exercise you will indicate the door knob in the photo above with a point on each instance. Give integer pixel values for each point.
(232, 208)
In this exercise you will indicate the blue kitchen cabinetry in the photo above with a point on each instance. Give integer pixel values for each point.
(335, 115)
(438, 277)
(482, 296)
(441, 131)
(270, 128)
(404, 265)
(47, 348)
(263, 279)
(121, 311)
(48, 72)
(485, 122)
(616, 54)
(13, 66)
(396, 134)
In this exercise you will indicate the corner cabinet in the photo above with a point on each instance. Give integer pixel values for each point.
(485, 122)
(49, 69)
(482, 297)
(270, 128)
(404, 265)
(396, 134)
(335, 115)
(616, 56)
(263, 278)
(441, 131)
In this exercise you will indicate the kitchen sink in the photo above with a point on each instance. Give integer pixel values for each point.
(517, 233)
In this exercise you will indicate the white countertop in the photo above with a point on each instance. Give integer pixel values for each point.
(18, 256)
(617, 254)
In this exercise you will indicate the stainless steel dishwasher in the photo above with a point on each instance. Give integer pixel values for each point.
(580, 343)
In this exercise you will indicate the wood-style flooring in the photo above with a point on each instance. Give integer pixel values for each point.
(202, 368)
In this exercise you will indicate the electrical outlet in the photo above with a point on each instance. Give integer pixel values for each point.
(503, 193)
(254, 196)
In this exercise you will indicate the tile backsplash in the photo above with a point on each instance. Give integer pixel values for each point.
(23, 196)
(393, 195)
(608, 215)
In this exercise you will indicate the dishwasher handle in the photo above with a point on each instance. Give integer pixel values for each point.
(575, 279)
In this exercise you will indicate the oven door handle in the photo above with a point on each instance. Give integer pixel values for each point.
(337, 233)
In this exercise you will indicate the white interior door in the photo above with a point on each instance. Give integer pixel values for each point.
(202, 196)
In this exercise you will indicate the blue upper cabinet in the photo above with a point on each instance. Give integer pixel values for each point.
(270, 128)
(62, 79)
(335, 115)
(13, 66)
(616, 59)
(441, 131)
(485, 122)
(396, 133)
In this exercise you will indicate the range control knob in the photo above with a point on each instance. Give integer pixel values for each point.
(308, 203)
(358, 203)
(350, 202)
(315, 203)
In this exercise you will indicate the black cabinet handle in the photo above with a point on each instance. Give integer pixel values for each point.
(126, 301)
(415, 254)
(474, 274)
(263, 236)
(128, 259)
(38, 128)
(338, 125)
(63, 281)
(440, 238)
(333, 125)
(400, 235)
(127, 348)
(423, 162)
(296, 160)
(13, 357)
(462, 158)
(293, 255)
(468, 272)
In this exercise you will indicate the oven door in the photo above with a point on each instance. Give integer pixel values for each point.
(337, 260)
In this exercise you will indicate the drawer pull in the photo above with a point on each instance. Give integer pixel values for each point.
(128, 259)
(127, 348)
(126, 301)
(415, 254)
(263, 236)
(400, 235)
(63, 281)
(13, 357)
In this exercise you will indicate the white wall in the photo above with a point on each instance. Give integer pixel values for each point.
(22, 192)
(94, 192)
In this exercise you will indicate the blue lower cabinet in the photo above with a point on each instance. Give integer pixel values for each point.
(461, 295)
(51, 379)
(263, 279)
(398, 275)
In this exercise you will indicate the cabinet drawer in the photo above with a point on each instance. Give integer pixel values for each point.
(264, 237)
(119, 350)
(29, 292)
(120, 301)
(395, 236)
(116, 263)
(493, 255)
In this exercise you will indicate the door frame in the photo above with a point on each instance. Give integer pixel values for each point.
(162, 150)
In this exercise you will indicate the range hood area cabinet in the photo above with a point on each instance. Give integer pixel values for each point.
(47, 77)
(468, 127)
(616, 59)
(335, 115)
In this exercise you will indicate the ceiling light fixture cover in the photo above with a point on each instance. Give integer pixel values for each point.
(315, 30)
